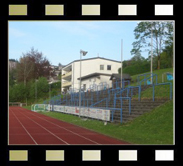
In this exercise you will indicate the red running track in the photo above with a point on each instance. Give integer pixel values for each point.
(31, 128)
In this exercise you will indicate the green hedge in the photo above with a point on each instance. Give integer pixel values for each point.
(137, 69)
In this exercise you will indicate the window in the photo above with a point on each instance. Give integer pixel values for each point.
(101, 67)
(84, 86)
(108, 67)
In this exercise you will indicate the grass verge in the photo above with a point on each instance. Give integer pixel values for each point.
(155, 127)
(159, 75)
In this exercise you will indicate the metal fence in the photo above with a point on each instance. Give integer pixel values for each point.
(101, 96)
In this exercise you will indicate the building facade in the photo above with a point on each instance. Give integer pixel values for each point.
(12, 64)
(93, 71)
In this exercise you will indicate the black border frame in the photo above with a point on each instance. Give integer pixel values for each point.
(73, 153)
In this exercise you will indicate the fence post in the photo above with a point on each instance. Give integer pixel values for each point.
(144, 78)
(139, 92)
(109, 93)
(112, 115)
(52, 107)
(170, 90)
(153, 91)
(121, 109)
(92, 97)
(127, 92)
(129, 105)
(115, 100)
(138, 80)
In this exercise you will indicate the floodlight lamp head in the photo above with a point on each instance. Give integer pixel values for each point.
(83, 52)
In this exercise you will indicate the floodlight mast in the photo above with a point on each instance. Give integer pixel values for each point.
(121, 62)
(151, 55)
(81, 53)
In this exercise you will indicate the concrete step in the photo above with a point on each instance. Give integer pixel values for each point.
(133, 112)
(137, 107)
(126, 116)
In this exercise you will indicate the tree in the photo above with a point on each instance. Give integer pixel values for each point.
(32, 65)
(39, 89)
(12, 77)
(42, 65)
(137, 65)
(18, 93)
(161, 33)
(137, 59)
(42, 87)
(25, 68)
(169, 43)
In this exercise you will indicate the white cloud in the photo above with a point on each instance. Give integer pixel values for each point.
(15, 32)
(89, 29)
(75, 28)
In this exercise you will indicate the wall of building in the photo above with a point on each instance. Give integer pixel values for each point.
(94, 80)
(12, 65)
(107, 80)
(92, 66)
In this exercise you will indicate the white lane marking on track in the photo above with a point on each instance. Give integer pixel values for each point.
(65, 129)
(24, 127)
(46, 130)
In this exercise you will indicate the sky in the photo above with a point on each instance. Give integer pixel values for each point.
(61, 41)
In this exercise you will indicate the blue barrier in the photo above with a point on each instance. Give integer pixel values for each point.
(152, 75)
(105, 99)
(118, 84)
(119, 94)
(169, 77)
(167, 83)
(146, 80)
(128, 89)
(121, 100)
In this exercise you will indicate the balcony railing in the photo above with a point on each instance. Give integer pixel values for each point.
(67, 74)
(66, 84)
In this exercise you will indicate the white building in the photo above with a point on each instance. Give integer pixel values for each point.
(93, 71)
(54, 73)
(12, 64)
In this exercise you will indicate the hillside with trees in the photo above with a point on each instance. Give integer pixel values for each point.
(162, 50)
(28, 82)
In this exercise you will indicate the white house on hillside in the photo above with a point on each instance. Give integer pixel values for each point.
(12, 64)
(54, 73)
(93, 71)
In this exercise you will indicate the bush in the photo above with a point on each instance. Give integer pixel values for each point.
(137, 68)
(17, 93)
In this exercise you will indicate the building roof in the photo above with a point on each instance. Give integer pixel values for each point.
(118, 76)
(93, 75)
(92, 59)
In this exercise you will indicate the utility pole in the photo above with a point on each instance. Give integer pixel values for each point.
(61, 80)
(121, 61)
(50, 91)
(35, 90)
(151, 54)
(82, 53)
